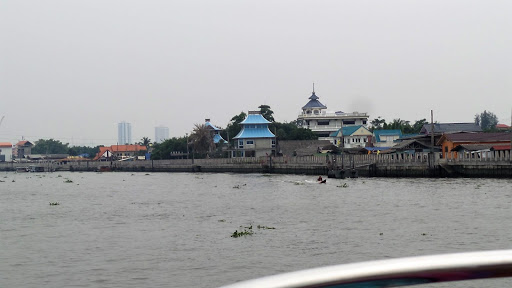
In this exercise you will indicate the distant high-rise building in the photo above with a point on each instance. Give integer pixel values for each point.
(124, 133)
(161, 134)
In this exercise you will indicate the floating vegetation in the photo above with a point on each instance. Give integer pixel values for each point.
(478, 186)
(2, 181)
(68, 181)
(237, 234)
(298, 183)
(13, 180)
(236, 187)
(146, 174)
(265, 227)
(54, 203)
(344, 185)
(424, 234)
(58, 176)
(381, 233)
(221, 220)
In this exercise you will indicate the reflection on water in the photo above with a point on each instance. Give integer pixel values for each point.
(174, 229)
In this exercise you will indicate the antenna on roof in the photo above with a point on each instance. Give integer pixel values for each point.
(313, 87)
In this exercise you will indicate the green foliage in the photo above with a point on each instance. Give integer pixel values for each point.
(201, 139)
(80, 150)
(486, 120)
(163, 150)
(290, 131)
(233, 127)
(50, 146)
(267, 113)
(145, 141)
(398, 124)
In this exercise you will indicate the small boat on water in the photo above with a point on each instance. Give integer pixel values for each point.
(394, 272)
(104, 168)
(22, 169)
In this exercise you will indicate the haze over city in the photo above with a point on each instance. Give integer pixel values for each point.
(72, 70)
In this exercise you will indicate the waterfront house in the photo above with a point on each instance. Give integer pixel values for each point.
(254, 139)
(502, 127)
(215, 131)
(386, 138)
(352, 137)
(301, 147)
(449, 142)
(22, 148)
(5, 152)
(314, 116)
(120, 152)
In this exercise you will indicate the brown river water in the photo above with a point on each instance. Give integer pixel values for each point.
(174, 229)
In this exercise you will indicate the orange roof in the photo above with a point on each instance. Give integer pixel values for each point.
(5, 144)
(120, 148)
(502, 126)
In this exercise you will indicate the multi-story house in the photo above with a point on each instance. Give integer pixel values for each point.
(315, 117)
(255, 139)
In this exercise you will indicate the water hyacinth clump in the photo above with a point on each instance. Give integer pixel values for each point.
(54, 203)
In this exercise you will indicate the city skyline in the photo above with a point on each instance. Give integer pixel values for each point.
(176, 63)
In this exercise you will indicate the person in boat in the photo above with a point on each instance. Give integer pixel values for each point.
(319, 179)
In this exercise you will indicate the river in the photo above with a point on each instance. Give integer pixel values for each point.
(174, 229)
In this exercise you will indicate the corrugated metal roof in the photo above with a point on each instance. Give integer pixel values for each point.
(255, 119)
(478, 137)
(260, 132)
(450, 127)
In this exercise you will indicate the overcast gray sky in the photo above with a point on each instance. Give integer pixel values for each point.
(71, 70)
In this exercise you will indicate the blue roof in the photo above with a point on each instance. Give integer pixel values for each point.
(346, 131)
(254, 119)
(261, 131)
(314, 103)
(208, 124)
(378, 133)
(217, 138)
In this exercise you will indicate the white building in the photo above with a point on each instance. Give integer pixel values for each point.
(5, 152)
(161, 134)
(124, 133)
(315, 117)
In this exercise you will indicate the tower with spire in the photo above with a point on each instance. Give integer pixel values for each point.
(316, 117)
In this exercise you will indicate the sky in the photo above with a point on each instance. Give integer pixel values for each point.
(72, 70)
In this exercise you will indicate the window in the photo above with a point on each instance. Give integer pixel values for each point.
(241, 144)
(323, 122)
(316, 112)
(364, 122)
(249, 142)
(349, 122)
(273, 143)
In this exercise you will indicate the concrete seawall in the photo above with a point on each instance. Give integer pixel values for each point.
(363, 165)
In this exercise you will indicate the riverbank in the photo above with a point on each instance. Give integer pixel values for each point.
(497, 165)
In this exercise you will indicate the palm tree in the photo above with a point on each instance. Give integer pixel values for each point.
(145, 141)
(202, 139)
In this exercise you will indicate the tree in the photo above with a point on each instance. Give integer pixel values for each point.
(266, 112)
(163, 150)
(145, 141)
(486, 120)
(234, 127)
(88, 152)
(202, 139)
(50, 146)
(377, 123)
(290, 131)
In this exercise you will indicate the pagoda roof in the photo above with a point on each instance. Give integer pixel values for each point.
(255, 118)
(259, 132)
(314, 103)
